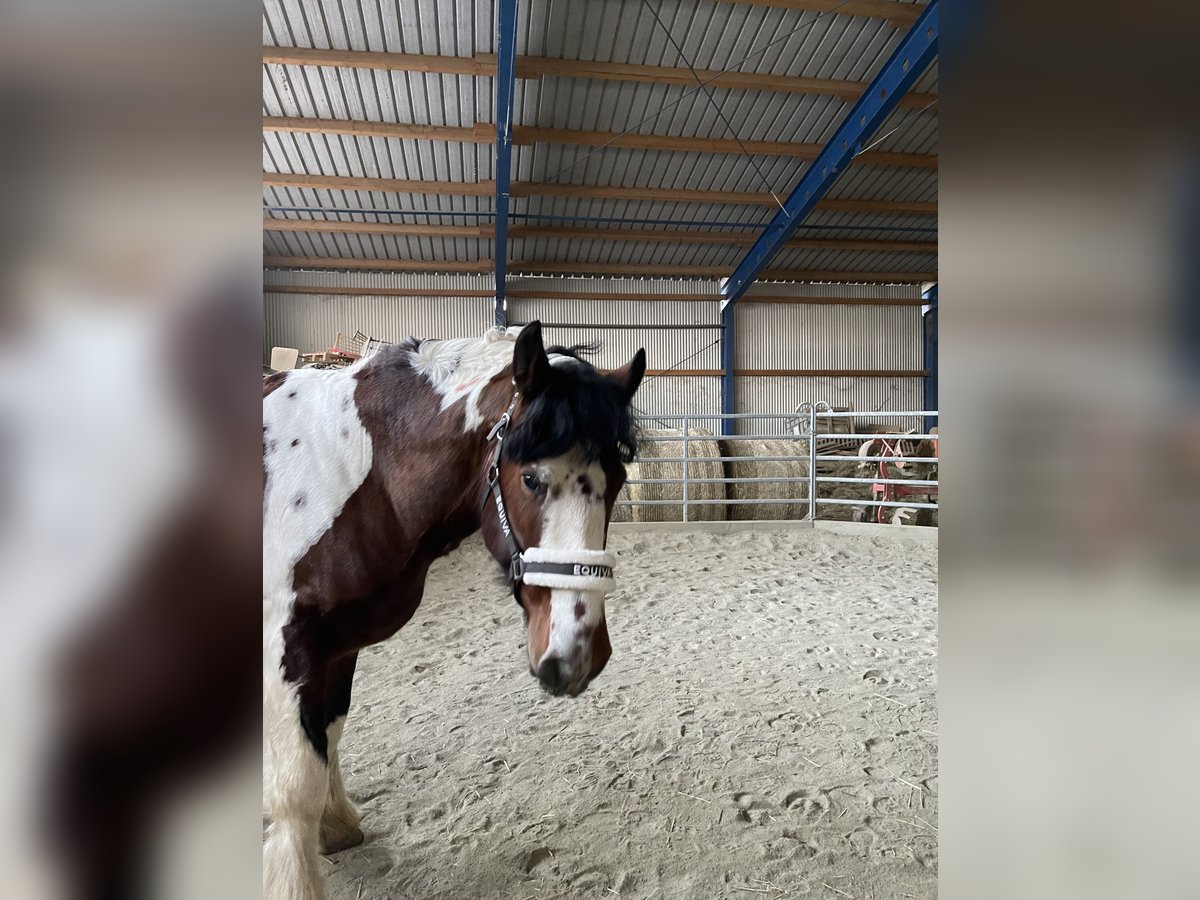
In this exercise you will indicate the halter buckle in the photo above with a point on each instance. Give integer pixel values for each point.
(500, 428)
(516, 568)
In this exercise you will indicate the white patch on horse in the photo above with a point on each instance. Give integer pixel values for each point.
(572, 520)
(295, 789)
(316, 455)
(460, 369)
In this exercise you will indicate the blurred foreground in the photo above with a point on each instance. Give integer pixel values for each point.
(129, 457)
(1070, 312)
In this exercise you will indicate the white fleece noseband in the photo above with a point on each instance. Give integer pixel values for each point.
(572, 570)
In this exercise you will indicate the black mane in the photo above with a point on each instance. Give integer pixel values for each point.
(575, 351)
(576, 408)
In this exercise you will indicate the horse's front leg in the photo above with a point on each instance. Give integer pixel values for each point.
(295, 785)
(339, 820)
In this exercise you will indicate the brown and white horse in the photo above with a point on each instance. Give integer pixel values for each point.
(373, 472)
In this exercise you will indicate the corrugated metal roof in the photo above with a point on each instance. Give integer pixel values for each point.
(713, 35)
(439, 27)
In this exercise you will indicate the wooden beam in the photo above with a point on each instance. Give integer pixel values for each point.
(796, 373)
(589, 192)
(740, 239)
(845, 373)
(375, 265)
(480, 64)
(535, 67)
(540, 67)
(896, 13)
(706, 298)
(477, 134)
(398, 229)
(373, 291)
(577, 268)
(526, 135)
(518, 294)
(832, 301)
(590, 296)
(738, 198)
(640, 235)
(383, 185)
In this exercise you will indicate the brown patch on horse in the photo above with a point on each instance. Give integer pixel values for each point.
(364, 577)
(536, 601)
(273, 382)
(580, 610)
(371, 543)
(601, 648)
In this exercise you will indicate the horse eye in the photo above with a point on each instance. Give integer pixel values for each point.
(531, 481)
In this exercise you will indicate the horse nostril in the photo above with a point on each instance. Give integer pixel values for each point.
(554, 676)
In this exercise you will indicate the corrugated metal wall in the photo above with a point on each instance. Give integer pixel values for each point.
(669, 331)
(787, 336)
(777, 394)
(683, 335)
(311, 321)
(803, 336)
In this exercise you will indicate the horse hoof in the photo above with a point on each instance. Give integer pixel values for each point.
(339, 839)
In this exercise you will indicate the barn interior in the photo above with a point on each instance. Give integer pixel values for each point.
(748, 190)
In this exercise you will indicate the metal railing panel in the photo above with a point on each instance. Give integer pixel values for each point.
(803, 424)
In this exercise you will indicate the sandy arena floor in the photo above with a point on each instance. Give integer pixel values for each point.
(767, 727)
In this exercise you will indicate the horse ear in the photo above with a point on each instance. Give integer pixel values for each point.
(531, 366)
(629, 376)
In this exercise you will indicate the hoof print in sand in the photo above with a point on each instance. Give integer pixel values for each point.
(878, 676)
(539, 858)
(863, 841)
(878, 744)
(810, 805)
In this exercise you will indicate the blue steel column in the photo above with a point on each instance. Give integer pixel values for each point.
(930, 398)
(728, 340)
(506, 78)
(897, 77)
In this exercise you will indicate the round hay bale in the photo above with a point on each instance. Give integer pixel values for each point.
(645, 466)
(751, 465)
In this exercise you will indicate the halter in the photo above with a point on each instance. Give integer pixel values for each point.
(579, 570)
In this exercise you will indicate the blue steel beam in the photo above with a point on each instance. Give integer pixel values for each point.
(898, 75)
(506, 79)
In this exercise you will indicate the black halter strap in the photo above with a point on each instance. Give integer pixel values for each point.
(516, 567)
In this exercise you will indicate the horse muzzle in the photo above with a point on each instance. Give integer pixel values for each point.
(559, 679)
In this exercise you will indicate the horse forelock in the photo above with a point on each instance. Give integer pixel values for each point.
(580, 410)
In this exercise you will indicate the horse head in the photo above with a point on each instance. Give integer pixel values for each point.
(554, 466)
